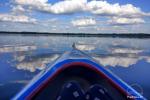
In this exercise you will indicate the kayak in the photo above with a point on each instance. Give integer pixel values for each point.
(75, 65)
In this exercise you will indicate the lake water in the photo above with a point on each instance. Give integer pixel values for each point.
(24, 56)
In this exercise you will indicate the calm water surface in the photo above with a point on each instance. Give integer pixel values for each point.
(24, 56)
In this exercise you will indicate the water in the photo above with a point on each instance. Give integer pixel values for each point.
(24, 56)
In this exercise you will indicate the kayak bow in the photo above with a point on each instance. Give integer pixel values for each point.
(78, 66)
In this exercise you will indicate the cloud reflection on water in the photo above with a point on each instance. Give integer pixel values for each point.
(115, 58)
(120, 61)
(85, 47)
(126, 50)
(20, 81)
(13, 48)
(35, 64)
(117, 54)
(1, 84)
(124, 57)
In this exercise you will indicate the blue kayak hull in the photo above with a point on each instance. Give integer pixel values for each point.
(47, 76)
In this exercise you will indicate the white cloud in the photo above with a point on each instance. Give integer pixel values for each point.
(106, 9)
(18, 9)
(16, 18)
(68, 6)
(30, 2)
(61, 7)
(40, 5)
(119, 14)
(102, 8)
(96, 7)
(84, 22)
(125, 21)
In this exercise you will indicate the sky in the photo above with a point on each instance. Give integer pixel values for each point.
(75, 16)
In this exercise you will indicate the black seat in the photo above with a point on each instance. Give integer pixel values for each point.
(73, 91)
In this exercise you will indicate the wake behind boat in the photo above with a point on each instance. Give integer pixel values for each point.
(76, 66)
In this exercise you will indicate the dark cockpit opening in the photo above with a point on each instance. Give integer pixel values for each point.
(84, 75)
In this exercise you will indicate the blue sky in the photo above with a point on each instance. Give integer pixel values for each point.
(87, 16)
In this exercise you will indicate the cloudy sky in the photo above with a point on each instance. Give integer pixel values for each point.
(88, 16)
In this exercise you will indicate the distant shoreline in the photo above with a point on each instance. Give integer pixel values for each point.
(113, 35)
